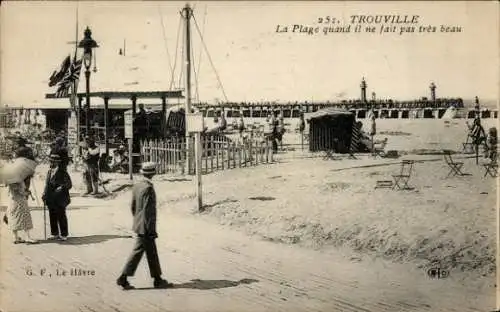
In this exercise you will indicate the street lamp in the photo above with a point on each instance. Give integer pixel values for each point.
(87, 44)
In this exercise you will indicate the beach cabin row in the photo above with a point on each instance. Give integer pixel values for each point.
(259, 113)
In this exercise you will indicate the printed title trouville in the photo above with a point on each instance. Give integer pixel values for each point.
(369, 24)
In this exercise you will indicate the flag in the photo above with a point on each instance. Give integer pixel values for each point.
(62, 90)
(71, 77)
(73, 74)
(57, 76)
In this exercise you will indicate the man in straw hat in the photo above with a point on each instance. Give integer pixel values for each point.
(144, 225)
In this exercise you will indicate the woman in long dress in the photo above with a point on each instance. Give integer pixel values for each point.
(19, 215)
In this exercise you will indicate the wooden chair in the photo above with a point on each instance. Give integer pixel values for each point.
(401, 180)
(491, 167)
(455, 167)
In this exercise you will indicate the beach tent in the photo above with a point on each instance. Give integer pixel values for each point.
(450, 113)
(330, 129)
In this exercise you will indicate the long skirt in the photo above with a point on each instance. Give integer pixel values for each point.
(19, 215)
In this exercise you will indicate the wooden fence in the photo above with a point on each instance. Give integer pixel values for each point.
(218, 153)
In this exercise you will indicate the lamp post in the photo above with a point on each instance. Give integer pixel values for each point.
(87, 44)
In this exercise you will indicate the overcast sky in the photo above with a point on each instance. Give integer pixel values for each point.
(252, 60)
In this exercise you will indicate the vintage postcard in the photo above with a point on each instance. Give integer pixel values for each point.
(249, 156)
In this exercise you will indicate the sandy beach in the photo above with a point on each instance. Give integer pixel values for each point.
(320, 211)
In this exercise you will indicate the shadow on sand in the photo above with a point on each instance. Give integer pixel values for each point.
(208, 207)
(70, 207)
(207, 284)
(85, 240)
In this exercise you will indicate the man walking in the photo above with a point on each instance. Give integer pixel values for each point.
(144, 225)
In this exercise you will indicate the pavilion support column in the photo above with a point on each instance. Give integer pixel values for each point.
(164, 115)
(106, 122)
(134, 105)
(134, 109)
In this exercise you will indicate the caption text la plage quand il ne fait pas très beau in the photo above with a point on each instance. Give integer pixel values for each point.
(376, 24)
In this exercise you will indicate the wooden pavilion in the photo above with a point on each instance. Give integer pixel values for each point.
(88, 112)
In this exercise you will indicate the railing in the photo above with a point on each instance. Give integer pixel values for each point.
(218, 153)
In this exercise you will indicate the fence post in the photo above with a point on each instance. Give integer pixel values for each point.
(230, 154)
(269, 150)
(211, 152)
(155, 151)
(163, 156)
(245, 153)
(239, 154)
(182, 144)
(261, 150)
(217, 152)
(251, 152)
(172, 159)
(222, 145)
(206, 151)
(234, 154)
(265, 152)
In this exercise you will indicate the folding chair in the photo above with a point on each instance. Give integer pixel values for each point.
(455, 167)
(401, 180)
(491, 169)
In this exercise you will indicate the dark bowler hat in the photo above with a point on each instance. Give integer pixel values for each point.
(55, 158)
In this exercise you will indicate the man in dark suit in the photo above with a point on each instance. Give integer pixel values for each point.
(144, 225)
(56, 197)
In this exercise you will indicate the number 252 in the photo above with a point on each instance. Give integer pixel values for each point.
(326, 20)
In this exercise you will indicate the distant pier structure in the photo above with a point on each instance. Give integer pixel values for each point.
(433, 92)
(424, 107)
(363, 90)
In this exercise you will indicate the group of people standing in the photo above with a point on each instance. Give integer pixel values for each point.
(55, 195)
(57, 198)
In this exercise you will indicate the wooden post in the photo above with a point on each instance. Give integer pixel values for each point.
(130, 159)
(198, 170)
(106, 115)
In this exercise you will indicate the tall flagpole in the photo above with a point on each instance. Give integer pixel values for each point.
(187, 73)
(76, 108)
